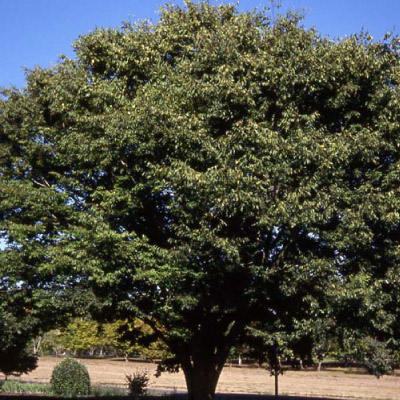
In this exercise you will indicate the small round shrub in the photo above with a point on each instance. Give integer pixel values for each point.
(70, 378)
(137, 383)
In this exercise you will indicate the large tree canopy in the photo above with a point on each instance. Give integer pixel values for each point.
(208, 172)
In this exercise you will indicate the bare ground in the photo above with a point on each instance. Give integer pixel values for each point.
(326, 383)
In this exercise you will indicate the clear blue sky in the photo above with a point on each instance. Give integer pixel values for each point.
(36, 32)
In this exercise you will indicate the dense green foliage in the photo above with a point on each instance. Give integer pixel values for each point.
(16, 330)
(15, 360)
(208, 172)
(377, 357)
(26, 312)
(70, 378)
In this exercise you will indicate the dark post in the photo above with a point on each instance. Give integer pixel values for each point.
(277, 367)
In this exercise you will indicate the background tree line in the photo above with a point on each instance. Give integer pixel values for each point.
(84, 337)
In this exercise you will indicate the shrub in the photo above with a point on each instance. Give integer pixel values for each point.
(70, 378)
(137, 383)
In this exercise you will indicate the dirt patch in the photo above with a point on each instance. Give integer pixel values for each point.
(326, 383)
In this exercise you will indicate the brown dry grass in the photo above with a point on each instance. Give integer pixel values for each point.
(326, 383)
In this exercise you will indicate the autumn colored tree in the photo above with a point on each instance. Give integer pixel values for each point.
(213, 170)
(84, 336)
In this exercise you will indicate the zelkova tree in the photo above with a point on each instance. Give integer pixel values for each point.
(211, 171)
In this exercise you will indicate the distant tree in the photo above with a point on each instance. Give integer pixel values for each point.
(377, 356)
(85, 336)
(53, 342)
(129, 338)
(81, 336)
(137, 337)
(207, 172)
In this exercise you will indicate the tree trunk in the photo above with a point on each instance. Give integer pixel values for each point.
(320, 359)
(201, 380)
(36, 345)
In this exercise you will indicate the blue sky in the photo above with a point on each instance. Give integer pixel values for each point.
(36, 32)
